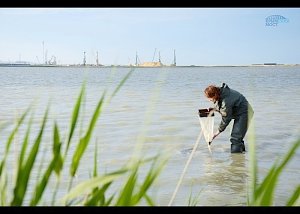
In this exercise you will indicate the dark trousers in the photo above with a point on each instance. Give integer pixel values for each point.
(239, 129)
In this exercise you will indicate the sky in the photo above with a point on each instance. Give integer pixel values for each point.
(199, 36)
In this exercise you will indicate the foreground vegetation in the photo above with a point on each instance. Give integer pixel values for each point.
(92, 192)
(263, 193)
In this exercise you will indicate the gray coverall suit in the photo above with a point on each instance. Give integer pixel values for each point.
(233, 105)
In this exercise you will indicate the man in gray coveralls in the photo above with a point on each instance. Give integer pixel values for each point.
(231, 105)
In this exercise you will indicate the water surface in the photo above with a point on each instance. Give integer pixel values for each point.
(158, 107)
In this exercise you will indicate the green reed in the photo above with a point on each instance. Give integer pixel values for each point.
(91, 192)
(263, 193)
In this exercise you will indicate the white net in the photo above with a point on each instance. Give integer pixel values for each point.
(207, 126)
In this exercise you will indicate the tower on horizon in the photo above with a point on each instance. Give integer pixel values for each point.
(84, 59)
(97, 61)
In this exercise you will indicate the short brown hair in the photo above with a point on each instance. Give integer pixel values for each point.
(212, 92)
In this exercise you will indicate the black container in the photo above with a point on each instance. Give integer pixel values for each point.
(205, 112)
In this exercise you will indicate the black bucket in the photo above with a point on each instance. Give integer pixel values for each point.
(205, 112)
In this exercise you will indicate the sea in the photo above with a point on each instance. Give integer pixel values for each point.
(155, 112)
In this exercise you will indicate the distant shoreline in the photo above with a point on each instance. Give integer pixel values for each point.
(128, 66)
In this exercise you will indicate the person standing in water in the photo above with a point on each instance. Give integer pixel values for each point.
(232, 105)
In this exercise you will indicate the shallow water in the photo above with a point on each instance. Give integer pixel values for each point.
(158, 106)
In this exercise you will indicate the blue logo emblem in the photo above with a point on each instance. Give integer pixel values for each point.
(274, 20)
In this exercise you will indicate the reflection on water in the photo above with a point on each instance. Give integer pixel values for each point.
(224, 180)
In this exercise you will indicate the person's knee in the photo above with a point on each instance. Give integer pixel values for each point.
(235, 139)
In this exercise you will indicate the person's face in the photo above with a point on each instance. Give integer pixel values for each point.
(210, 98)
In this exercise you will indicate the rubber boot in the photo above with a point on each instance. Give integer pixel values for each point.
(243, 146)
(237, 148)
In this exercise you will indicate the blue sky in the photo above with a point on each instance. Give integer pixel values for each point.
(200, 36)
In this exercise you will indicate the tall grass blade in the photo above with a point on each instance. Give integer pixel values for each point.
(193, 201)
(149, 200)
(87, 186)
(42, 185)
(253, 163)
(267, 198)
(3, 188)
(122, 82)
(97, 198)
(85, 140)
(294, 197)
(95, 160)
(57, 144)
(75, 115)
(55, 164)
(265, 192)
(11, 137)
(109, 200)
(125, 197)
(24, 172)
(149, 180)
(260, 189)
(24, 144)
(97, 195)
